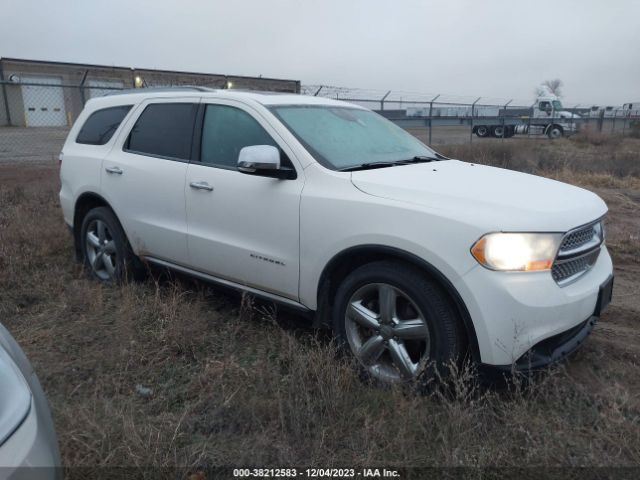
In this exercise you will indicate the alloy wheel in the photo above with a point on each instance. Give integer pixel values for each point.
(101, 250)
(387, 332)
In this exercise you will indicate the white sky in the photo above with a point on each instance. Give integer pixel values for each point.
(469, 48)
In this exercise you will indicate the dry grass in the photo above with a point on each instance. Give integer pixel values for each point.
(236, 383)
(616, 157)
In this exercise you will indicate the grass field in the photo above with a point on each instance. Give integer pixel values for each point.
(234, 382)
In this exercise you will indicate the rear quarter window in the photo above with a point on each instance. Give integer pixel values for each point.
(101, 125)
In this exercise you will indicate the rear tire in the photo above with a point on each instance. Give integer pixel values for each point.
(398, 323)
(482, 131)
(106, 252)
(498, 131)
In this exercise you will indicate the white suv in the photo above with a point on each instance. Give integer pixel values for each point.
(412, 258)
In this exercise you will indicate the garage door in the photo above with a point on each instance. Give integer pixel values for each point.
(43, 105)
(99, 88)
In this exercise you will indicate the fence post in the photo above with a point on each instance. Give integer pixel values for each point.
(81, 87)
(4, 96)
(383, 99)
(600, 120)
(613, 124)
(473, 107)
(430, 112)
(504, 111)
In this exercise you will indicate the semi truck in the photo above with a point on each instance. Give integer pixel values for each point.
(546, 117)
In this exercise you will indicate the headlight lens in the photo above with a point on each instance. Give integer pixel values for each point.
(15, 396)
(517, 251)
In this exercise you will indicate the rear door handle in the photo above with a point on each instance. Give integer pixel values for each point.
(115, 170)
(201, 186)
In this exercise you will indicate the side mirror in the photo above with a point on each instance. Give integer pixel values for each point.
(263, 160)
(258, 157)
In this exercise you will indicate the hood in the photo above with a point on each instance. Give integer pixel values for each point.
(492, 198)
(566, 114)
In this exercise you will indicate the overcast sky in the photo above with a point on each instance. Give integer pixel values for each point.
(467, 48)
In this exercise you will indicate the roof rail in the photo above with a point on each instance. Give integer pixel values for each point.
(190, 88)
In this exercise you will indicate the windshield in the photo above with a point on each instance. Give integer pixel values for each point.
(557, 105)
(345, 137)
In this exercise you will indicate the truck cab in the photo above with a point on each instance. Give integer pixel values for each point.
(555, 121)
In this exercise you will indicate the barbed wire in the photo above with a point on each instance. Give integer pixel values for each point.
(406, 97)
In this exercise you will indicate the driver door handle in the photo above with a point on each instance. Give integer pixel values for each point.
(201, 186)
(115, 170)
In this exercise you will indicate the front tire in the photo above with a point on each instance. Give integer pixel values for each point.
(555, 131)
(106, 252)
(398, 323)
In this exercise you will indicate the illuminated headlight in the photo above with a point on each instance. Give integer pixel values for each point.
(521, 252)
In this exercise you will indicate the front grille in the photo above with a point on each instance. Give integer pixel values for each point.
(578, 238)
(565, 270)
(578, 252)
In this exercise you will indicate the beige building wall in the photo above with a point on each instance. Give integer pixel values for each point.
(78, 82)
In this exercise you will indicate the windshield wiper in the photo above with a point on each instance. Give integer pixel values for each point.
(417, 159)
(368, 166)
(372, 165)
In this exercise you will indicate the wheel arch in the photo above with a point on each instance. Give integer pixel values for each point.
(353, 257)
(86, 202)
(552, 125)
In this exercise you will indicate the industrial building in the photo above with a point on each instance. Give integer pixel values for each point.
(51, 94)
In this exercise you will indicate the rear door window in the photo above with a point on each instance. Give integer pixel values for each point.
(101, 125)
(164, 130)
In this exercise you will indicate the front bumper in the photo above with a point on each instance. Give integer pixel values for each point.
(548, 352)
(515, 312)
(559, 347)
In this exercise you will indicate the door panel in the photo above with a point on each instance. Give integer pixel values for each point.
(148, 196)
(246, 228)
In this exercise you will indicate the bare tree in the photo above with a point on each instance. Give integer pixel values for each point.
(553, 86)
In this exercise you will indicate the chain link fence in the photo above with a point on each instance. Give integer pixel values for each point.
(447, 119)
(35, 116)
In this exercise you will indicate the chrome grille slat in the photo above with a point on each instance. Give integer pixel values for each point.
(578, 252)
(564, 272)
(577, 238)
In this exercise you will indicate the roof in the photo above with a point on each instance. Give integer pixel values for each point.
(263, 98)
